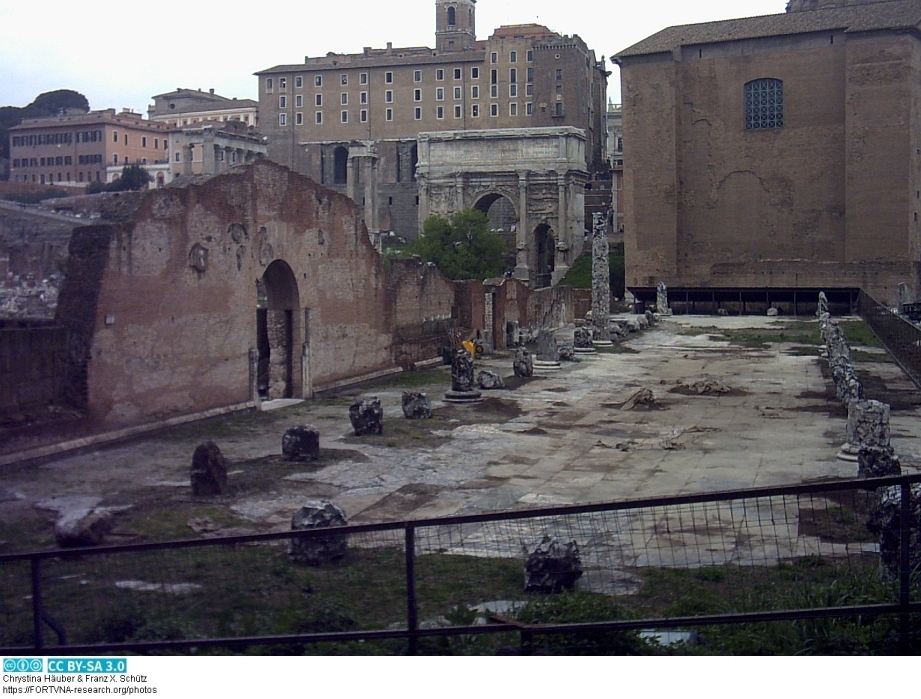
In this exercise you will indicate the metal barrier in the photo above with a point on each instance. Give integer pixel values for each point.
(901, 337)
(410, 586)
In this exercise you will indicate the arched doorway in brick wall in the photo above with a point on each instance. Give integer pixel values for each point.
(278, 331)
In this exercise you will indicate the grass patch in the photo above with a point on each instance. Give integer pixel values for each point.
(227, 591)
(255, 590)
(803, 583)
(408, 380)
(858, 333)
(616, 348)
(875, 357)
(227, 426)
(799, 334)
(402, 433)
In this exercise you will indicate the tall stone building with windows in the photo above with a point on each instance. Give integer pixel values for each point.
(771, 157)
(352, 121)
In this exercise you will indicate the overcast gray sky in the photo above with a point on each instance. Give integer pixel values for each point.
(119, 54)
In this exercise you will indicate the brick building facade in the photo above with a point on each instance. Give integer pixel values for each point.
(777, 155)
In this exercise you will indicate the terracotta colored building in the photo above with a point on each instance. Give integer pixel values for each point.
(76, 148)
(772, 157)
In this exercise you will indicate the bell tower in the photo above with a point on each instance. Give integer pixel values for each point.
(455, 25)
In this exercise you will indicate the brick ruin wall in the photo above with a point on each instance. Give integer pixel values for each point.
(175, 320)
(423, 303)
(157, 316)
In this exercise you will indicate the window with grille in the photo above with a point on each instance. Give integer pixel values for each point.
(764, 104)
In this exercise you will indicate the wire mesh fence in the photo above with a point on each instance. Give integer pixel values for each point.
(466, 584)
(901, 337)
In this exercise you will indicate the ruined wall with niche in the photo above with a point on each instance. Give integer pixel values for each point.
(161, 310)
(173, 322)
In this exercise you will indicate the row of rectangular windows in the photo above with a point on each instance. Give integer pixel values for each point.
(388, 75)
(66, 138)
(417, 95)
(91, 159)
(417, 113)
(41, 178)
(58, 138)
(58, 160)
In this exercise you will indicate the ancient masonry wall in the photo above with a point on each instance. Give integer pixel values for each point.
(525, 308)
(161, 311)
(423, 302)
(175, 321)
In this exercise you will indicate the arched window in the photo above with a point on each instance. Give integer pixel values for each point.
(452, 16)
(764, 104)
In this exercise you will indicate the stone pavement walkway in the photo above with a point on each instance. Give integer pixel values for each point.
(573, 438)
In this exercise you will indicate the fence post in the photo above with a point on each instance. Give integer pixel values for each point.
(412, 617)
(905, 522)
(37, 603)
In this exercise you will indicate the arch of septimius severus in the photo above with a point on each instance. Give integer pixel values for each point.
(536, 177)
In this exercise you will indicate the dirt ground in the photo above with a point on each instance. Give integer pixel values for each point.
(724, 415)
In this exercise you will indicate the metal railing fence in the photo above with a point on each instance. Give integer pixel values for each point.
(763, 555)
(901, 338)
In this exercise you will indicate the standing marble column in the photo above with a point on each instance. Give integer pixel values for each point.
(662, 300)
(601, 280)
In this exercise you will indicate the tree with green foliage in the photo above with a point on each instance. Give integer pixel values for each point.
(46, 104)
(56, 103)
(132, 179)
(462, 246)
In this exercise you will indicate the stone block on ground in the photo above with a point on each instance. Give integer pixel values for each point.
(82, 529)
(547, 348)
(416, 405)
(582, 338)
(462, 374)
(868, 423)
(552, 566)
(367, 416)
(319, 549)
(877, 462)
(301, 443)
(489, 380)
(208, 474)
